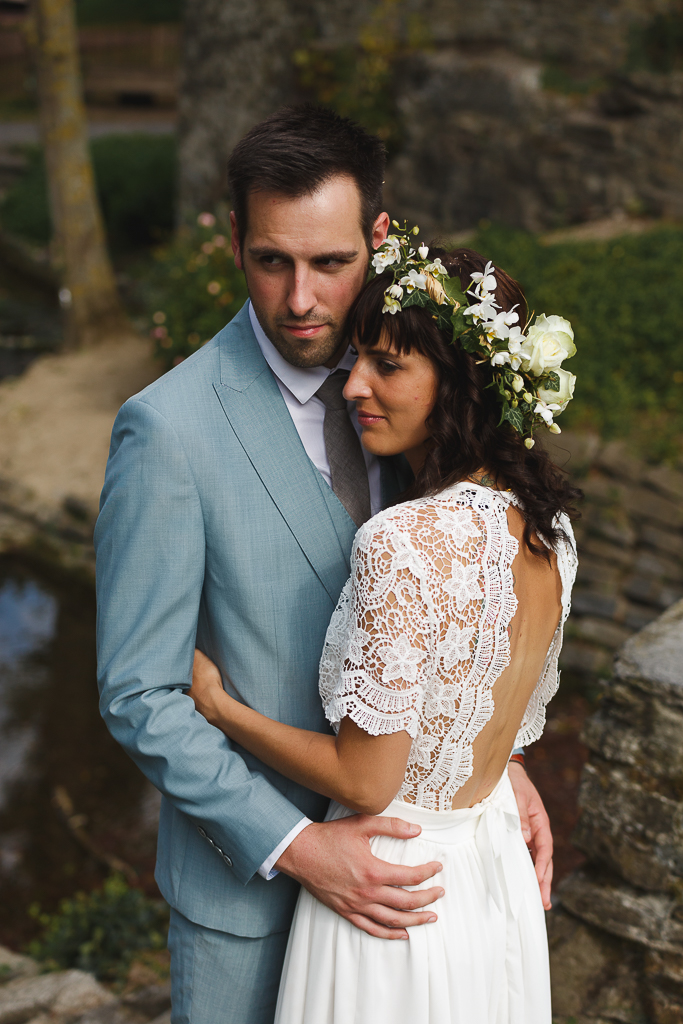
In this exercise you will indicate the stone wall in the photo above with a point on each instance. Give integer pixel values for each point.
(617, 937)
(481, 134)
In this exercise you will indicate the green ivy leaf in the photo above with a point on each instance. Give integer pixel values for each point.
(443, 317)
(516, 418)
(470, 341)
(453, 290)
(460, 325)
(552, 381)
(417, 298)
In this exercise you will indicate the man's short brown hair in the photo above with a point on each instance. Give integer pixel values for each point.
(294, 151)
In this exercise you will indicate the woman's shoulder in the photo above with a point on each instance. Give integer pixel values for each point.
(459, 502)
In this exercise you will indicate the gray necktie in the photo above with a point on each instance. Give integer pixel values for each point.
(344, 452)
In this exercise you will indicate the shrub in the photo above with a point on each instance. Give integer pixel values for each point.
(114, 12)
(624, 298)
(101, 931)
(193, 290)
(135, 178)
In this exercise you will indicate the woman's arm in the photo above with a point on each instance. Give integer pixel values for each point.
(362, 772)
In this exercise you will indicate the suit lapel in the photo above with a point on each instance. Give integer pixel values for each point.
(258, 415)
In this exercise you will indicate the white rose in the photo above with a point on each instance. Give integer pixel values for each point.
(548, 342)
(564, 395)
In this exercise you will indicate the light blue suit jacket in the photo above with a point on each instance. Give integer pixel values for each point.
(215, 527)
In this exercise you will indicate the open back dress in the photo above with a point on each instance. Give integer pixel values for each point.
(417, 642)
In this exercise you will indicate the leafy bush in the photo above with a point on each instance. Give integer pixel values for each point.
(101, 931)
(624, 298)
(135, 177)
(194, 289)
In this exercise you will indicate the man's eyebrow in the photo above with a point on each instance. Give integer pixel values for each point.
(340, 254)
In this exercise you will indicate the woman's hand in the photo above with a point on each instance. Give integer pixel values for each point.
(207, 686)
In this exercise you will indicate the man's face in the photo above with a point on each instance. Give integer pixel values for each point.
(305, 261)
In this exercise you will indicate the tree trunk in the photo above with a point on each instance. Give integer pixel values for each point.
(89, 295)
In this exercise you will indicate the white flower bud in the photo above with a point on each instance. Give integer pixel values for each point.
(554, 429)
(416, 230)
(529, 443)
(514, 403)
(527, 397)
(507, 394)
(394, 223)
(517, 383)
(423, 251)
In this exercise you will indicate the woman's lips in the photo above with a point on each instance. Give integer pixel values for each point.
(367, 419)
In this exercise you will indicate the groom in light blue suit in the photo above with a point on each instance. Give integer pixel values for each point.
(219, 528)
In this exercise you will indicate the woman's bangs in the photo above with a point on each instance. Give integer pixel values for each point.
(367, 321)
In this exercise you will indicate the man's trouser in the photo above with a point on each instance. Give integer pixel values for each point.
(217, 978)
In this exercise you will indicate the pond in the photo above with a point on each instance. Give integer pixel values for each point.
(71, 802)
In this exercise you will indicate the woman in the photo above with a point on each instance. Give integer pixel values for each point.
(442, 652)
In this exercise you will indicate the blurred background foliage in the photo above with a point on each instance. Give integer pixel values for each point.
(113, 12)
(135, 177)
(100, 931)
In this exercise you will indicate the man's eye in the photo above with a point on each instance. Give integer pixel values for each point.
(272, 261)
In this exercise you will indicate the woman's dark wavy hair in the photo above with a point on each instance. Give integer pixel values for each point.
(464, 422)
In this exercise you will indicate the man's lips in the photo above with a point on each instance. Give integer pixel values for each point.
(368, 419)
(304, 330)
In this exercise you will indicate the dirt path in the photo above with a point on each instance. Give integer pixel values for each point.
(56, 419)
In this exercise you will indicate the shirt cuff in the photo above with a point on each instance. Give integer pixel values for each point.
(266, 870)
(518, 750)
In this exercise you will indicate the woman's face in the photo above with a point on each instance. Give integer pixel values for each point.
(394, 395)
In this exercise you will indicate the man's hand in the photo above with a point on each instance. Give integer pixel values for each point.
(334, 862)
(535, 828)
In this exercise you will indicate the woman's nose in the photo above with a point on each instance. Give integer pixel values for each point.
(356, 386)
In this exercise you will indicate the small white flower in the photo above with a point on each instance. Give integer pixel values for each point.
(423, 251)
(500, 358)
(546, 410)
(395, 291)
(485, 282)
(413, 280)
(390, 305)
(401, 661)
(437, 267)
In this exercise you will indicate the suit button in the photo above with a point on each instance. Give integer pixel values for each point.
(227, 860)
(201, 831)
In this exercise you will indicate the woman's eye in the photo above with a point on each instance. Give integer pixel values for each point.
(386, 367)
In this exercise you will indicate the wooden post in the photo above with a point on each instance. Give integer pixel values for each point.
(89, 295)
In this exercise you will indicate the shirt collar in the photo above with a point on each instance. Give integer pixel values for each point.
(302, 381)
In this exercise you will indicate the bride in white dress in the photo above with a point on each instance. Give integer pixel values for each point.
(439, 660)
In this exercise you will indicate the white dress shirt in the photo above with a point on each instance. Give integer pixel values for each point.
(298, 385)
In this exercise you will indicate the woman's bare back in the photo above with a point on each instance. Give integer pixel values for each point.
(538, 589)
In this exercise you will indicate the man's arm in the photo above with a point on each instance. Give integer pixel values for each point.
(150, 570)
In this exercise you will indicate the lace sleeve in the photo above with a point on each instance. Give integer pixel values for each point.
(378, 652)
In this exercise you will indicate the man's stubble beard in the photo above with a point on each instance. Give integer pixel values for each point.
(307, 352)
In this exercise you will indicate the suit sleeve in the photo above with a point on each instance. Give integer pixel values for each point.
(150, 549)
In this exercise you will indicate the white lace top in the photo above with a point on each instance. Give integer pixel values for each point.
(420, 633)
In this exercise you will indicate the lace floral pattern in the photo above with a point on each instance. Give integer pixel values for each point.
(420, 633)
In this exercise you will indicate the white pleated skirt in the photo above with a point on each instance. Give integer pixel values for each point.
(484, 961)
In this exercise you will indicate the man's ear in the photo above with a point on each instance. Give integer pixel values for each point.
(380, 230)
(235, 241)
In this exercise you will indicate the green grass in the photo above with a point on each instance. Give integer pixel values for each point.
(624, 298)
(135, 176)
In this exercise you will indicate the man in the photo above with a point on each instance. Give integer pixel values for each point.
(234, 488)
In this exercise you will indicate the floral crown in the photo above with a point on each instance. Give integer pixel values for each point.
(527, 376)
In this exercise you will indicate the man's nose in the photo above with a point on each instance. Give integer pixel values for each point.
(302, 298)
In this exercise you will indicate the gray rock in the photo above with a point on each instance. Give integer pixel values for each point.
(655, 654)
(587, 602)
(633, 830)
(151, 1000)
(163, 1018)
(65, 993)
(652, 920)
(13, 965)
(668, 481)
(581, 657)
(607, 634)
(663, 540)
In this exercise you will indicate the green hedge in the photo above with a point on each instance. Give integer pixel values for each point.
(135, 176)
(624, 298)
